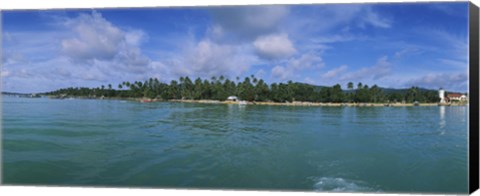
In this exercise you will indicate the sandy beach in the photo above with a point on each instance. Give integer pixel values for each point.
(294, 103)
(298, 103)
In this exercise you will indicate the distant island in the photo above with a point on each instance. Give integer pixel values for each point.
(29, 95)
(254, 91)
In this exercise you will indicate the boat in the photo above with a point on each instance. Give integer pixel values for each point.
(146, 100)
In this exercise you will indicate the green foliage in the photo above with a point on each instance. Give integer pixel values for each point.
(250, 89)
(350, 85)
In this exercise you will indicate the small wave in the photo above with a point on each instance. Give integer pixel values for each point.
(330, 184)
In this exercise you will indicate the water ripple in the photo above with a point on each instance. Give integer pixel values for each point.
(331, 184)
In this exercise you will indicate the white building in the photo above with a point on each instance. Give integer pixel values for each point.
(232, 98)
(456, 97)
(441, 94)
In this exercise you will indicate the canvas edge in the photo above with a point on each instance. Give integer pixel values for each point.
(474, 97)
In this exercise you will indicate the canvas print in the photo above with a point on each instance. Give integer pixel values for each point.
(319, 97)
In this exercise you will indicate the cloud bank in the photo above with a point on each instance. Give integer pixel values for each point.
(318, 44)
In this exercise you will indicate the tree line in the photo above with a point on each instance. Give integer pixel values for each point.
(250, 89)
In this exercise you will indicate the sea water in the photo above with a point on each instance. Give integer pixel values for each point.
(118, 143)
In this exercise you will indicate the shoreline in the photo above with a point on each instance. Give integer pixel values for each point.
(299, 103)
(271, 103)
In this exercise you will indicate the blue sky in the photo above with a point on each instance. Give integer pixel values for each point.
(388, 44)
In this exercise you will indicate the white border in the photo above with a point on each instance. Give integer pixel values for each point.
(61, 4)
(72, 4)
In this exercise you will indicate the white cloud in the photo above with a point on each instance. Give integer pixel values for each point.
(216, 32)
(5, 73)
(8, 38)
(294, 68)
(10, 57)
(443, 42)
(454, 63)
(26, 47)
(378, 71)
(95, 38)
(407, 52)
(280, 72)
(63, 72)
(104, 47)
(275, 46)
(249, 22)
(333, 38)
(135, 37)
(84, 51)
(306, 61)
(260, 73)
(334, 72)
(455, 45)
(446, 8)
(207, 58)
(159, 70)
(93, 50)
(94, 74)
(374, 19)
(450, 82)
(309, 80)
(19, 73)
(339, 18)
(324, 18)
(61, 69)
(132, 60)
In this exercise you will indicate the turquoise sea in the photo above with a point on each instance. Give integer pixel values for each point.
(183, 145)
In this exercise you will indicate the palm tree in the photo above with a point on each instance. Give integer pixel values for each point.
(350, 85)
(150, 82)
(188, 87)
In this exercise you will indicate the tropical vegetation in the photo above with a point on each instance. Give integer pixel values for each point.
(250, 89)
